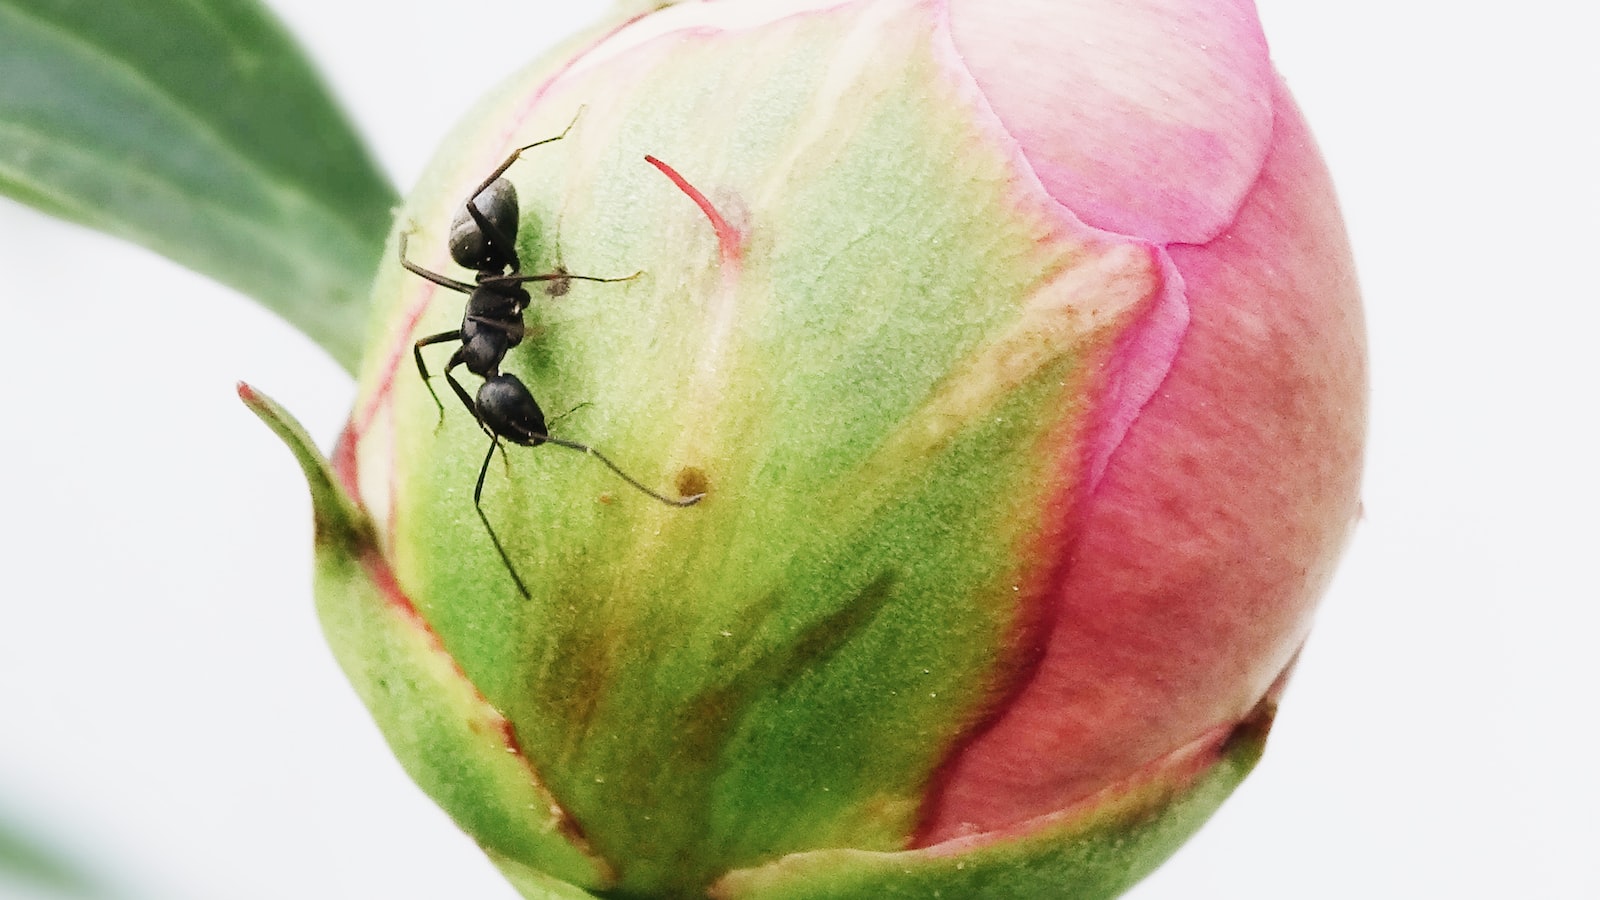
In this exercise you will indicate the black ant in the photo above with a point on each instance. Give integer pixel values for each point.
(483, 238)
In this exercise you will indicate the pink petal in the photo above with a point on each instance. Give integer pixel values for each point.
(1201, 552)
(1144, 117)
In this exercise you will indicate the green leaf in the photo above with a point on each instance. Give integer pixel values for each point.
(196, 128)
(26, 863)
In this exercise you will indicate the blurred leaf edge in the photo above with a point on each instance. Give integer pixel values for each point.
(201, 130)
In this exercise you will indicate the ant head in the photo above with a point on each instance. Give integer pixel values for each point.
(486, 242)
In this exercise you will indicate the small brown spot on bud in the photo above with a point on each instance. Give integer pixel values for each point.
(692, 482)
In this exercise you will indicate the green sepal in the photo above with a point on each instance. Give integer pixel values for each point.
(1095, 851)
(533, 884)
(458, 748)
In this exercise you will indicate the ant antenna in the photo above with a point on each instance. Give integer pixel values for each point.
(585, 448)
(535, 439)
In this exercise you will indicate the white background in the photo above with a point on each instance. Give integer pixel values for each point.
(168, 710)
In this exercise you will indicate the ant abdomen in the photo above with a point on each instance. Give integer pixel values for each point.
(508, 409)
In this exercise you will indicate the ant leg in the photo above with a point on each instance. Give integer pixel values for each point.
(422, 367)
(585, 448)
(515, 154)
(516, 331)
(554, 419)
(491, 233)
(472, 406)
(477, 503)
(466, 398)
(434, 277)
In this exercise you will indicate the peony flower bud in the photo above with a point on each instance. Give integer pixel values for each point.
(1015, 349)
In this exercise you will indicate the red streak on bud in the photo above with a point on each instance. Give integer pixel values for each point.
(345, 462)
(383, 578)
(729, 241)
(343, 459)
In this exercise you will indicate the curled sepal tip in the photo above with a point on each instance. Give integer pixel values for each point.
(450, 740)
